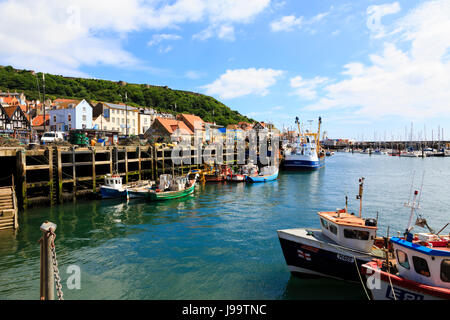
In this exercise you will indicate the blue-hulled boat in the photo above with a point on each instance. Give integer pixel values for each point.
(421, 270)
(268, 173)
(306, 153)
(113, 188)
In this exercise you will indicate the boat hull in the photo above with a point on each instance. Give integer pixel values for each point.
(236, 178)
(294, 164)
(168, 195)
(110, 193)
(309, 254)
(265, 178)
(385, 286)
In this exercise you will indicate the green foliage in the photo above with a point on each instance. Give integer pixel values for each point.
(162, 99)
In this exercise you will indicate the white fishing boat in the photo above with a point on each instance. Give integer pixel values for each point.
(306, 153)
(113, 187)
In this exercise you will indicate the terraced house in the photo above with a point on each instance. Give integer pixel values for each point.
(116, 117)
(68, 114)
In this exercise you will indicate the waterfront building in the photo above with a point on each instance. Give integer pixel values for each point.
(68, 114)
(146, 117)
(164, 129)
(118, 117)
(12, 118)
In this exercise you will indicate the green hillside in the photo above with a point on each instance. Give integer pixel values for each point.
(160, 98)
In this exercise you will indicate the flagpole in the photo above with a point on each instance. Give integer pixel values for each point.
(43, 103)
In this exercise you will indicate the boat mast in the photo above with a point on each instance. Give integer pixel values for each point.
(318, 137)
(359, 196)
(413, 206)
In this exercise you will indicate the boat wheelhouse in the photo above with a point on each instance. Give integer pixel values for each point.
(348, 230)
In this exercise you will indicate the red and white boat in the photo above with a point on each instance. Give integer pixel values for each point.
(420, 271)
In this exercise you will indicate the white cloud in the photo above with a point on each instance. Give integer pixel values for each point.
(291, 22)
(158, 38)
(307, 88)
(286, 23)
(374, 15)
(241, 82)
(61, 36)
(411, 83)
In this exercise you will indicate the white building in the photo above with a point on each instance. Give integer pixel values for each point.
(117, 117)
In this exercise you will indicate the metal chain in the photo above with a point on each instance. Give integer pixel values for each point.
(55, 267)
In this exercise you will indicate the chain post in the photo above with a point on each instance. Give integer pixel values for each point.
(49, 264)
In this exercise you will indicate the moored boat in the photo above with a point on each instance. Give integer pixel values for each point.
(420, 270)
(172, 188)
(267, 173)
(113, 187)
(337, 250)
(306, 153)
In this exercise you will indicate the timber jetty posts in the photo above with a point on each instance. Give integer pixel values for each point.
(51, 175)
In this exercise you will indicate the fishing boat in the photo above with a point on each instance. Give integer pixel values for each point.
(217, 173)
(420, 270)
(172, 188)
(306, 153)
(236, 176)
(138, 189)
(113, 187)
(337, 250)
(267, 173)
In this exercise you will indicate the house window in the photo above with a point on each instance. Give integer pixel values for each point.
(118, 120)
(132, 121)
(69, 117)
(84, 117)
(402, 259)
(54, 119)
(112, 119)
(356, 234)
(421, 266)
(445, 270)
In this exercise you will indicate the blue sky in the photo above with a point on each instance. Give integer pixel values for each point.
(366, 67)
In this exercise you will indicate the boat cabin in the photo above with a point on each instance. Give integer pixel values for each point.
(113, 181)
(349, 230)
(424, 259)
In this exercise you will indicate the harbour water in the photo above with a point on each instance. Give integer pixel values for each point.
(220, 243)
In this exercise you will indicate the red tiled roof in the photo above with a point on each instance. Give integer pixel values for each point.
(171, 125)
(192, 121)
(39, 120)
(64, 103)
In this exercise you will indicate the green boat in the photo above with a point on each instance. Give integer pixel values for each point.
(154, 195)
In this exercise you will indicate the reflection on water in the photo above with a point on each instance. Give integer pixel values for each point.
(219, 243)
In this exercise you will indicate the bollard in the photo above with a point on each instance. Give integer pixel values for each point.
(47, 284)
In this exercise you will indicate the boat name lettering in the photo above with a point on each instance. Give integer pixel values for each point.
(401, 294)
(345, 258)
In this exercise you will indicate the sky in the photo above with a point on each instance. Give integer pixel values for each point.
(371, 69)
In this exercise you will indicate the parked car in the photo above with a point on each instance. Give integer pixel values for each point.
(52, 136)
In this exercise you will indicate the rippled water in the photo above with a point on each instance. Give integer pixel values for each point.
(220, 243)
